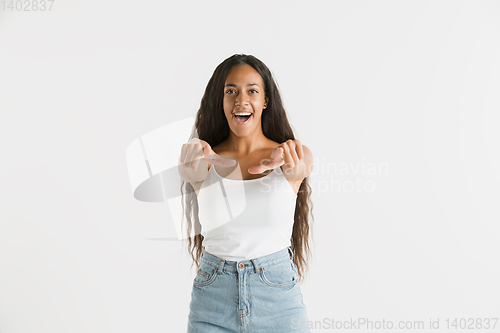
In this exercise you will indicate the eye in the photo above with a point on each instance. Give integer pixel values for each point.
(227, 91)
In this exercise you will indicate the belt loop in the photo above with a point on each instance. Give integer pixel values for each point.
(256, 265)
(290, 252)
(221, 266)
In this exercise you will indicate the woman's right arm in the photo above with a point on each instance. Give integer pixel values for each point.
(195, 159)
(193, 167)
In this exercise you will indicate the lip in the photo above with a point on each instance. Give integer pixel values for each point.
(243, 111)
(246, 122)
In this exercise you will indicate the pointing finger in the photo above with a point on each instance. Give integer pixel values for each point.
(216, 159)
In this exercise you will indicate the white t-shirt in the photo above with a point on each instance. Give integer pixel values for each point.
(246, 219)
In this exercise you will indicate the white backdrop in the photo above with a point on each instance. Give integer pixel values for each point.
(397, 100)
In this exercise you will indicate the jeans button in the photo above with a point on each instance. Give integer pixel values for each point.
(240, 265)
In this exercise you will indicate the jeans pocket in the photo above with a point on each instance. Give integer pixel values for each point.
(279, 276)
(205, 275)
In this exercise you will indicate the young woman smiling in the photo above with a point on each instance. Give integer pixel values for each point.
(251, 228)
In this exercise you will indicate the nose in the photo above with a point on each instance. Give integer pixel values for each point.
(241, 99)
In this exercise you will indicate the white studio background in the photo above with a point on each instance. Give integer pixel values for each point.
(397, 100)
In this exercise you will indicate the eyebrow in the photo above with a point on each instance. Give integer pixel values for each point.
(248, 85)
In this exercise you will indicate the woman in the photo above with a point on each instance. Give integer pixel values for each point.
(251, 232)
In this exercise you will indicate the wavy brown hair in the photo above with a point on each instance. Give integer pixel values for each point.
(211, 126)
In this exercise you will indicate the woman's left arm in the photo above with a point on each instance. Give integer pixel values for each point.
(297, 160)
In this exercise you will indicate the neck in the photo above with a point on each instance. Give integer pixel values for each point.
(248, 144)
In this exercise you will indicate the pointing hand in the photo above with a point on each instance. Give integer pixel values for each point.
(289, 153)
(196, 149)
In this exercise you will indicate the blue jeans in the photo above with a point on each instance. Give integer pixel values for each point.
(256, 295)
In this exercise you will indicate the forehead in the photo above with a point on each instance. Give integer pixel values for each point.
(243, 74)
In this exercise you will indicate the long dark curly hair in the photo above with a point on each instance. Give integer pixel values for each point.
(211, 126)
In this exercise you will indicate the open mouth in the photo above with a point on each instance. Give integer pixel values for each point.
(242, 119)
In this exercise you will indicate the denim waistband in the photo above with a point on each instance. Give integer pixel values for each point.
(247, 265)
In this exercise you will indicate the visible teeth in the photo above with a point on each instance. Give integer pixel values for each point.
(242, 114)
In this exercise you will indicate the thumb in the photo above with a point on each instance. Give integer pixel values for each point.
(207, 150)
(214, 158)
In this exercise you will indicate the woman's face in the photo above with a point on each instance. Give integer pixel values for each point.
(243, 92)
